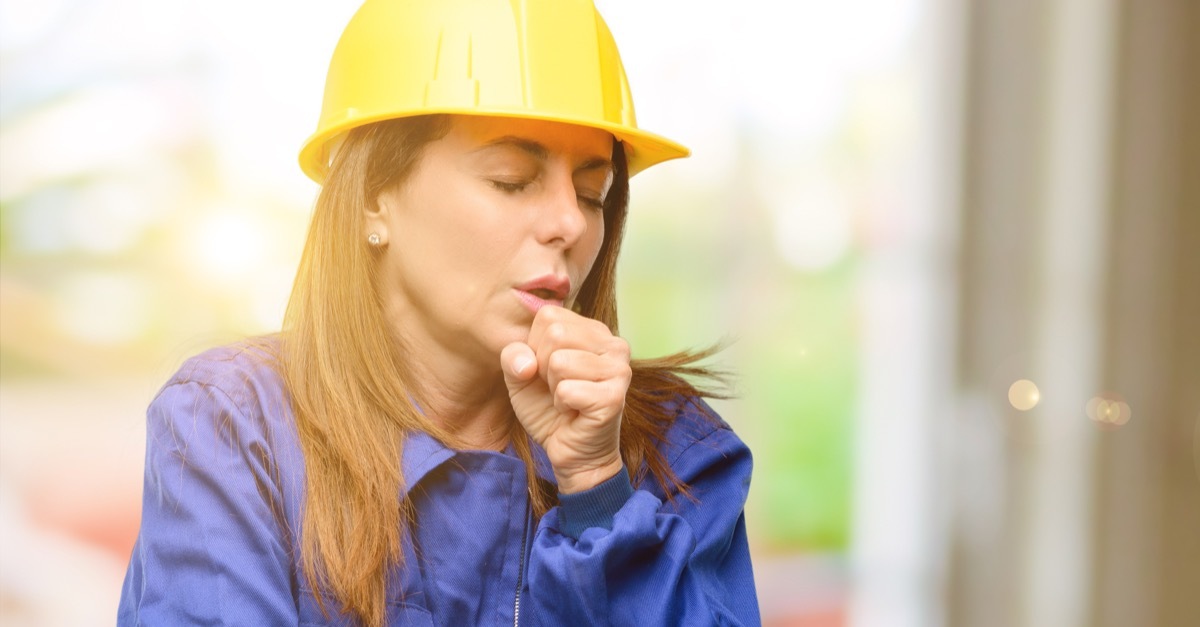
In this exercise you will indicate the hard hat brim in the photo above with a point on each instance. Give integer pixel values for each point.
(643, 149)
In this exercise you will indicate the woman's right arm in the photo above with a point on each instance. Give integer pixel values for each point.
(618, 556)
(213, 547)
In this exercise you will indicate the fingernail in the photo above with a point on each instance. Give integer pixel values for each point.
(520, 364)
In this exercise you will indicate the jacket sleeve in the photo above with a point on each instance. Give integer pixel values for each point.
(210, 550)
(649, 563)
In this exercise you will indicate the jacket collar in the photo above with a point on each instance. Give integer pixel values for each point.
(423, 453)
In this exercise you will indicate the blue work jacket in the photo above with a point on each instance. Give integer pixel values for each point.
(224, 489)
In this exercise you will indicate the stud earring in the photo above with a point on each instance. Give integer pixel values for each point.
(373, 239)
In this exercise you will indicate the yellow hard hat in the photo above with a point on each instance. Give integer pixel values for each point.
(543, 59)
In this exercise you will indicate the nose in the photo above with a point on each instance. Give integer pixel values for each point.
(561, 221)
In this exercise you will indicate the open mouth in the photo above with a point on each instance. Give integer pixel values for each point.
(545, 290)
(546, 294)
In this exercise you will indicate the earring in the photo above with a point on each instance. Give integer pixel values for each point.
(373, 239)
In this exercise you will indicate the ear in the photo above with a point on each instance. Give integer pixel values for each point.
(377, 217)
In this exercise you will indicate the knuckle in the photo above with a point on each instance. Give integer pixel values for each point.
(565, 388)
(565, 394)
(560, 402)
(557, 331)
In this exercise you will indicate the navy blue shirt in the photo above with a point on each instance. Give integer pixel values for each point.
(221, 517)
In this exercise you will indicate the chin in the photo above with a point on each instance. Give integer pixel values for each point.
(508, 336)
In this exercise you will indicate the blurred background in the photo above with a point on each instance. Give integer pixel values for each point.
(955, 246)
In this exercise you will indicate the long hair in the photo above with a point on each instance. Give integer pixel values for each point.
(350, 386)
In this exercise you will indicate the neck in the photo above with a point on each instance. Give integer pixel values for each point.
(467, 400)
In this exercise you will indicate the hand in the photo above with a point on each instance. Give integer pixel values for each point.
(567, 385)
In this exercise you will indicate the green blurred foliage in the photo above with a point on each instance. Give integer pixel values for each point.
(791, 348)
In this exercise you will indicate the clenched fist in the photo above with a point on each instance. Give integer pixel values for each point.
(567, 385)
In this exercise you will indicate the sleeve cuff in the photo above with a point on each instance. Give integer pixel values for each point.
(594, 507)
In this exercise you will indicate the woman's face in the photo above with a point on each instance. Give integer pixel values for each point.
(498, 218)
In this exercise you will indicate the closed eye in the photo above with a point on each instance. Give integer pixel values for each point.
(509, 186)
(513, 187)
(592, 203)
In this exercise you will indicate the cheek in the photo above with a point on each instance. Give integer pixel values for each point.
(462, 245)
(427, 249)
(445, 224)
(590, 252)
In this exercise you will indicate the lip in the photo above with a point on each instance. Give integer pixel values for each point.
(559, 287)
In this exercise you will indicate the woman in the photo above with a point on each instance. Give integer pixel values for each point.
(448, 430)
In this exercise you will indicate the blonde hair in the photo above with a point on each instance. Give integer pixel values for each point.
(351, 392)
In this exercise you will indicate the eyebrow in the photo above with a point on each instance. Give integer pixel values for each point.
(539, 152)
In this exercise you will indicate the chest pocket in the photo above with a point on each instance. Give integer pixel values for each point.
(399, 614)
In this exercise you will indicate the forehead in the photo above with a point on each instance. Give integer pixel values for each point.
(571, 140)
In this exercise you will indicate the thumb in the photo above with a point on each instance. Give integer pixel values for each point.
(519, 364)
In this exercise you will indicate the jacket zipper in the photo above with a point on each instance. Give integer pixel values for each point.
(521, 570)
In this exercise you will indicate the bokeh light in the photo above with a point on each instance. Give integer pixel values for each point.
(1024, 395)
(227, 245)
(1108, 410)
